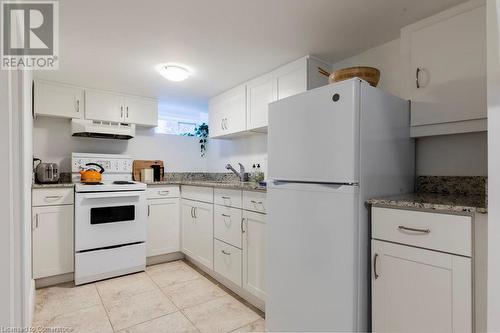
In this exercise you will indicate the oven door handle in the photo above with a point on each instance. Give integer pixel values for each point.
(105, 195)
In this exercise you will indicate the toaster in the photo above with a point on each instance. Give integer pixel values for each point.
(47, 173)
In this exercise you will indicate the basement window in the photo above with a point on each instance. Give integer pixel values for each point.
(178, 120)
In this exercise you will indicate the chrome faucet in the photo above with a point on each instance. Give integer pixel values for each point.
(240, 174)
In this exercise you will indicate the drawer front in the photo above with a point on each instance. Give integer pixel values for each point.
(226, 197)
(198, 193)
(161, 192)
(227, 261)
(254, 201)
(227, 224)
(53, 196)
(441, 232)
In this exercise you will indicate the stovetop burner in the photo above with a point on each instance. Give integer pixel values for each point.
(123, 182)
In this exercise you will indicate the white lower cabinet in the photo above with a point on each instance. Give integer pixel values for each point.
(52, 240)
(227, 261)
(416, 289)
(254, 253)
(163, 226)
(197, 231)
(238, 237)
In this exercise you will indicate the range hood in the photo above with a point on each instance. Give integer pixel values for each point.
(102, 129)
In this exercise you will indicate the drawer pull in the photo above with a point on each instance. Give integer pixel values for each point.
(225, 253)
(256, 202)
(53, 197)
(424, 231)
(225, 215)
(375, 266)
(226, 198)
(163, 192)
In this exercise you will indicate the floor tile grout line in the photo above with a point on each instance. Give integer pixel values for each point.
(227, 290)
(146, 321)
(140, 293)
(104, 307)
(63, 313)
(180, 310)
(246, 325)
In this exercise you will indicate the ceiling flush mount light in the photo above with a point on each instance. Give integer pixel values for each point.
(173, 72)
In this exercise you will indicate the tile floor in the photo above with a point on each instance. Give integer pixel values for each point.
(171, 297)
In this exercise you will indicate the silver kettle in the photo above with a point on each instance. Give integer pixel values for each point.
(46, 172)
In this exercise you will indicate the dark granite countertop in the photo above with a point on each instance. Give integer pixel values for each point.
(247, 186)
(443, 193)
(54, 185)
(436, 201)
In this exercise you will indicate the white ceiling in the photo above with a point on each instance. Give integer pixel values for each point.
(115, 45)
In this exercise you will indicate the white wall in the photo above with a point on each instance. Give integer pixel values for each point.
(246, 150)
(493, 26)
(15, 194)
(453, 155)
(53, 143)
(459, 155)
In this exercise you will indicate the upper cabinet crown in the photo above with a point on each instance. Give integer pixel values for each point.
(245, 107)
(66, 101)
(445, 59)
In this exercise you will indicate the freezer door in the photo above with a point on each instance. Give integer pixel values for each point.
(312, 258)
(314, 136)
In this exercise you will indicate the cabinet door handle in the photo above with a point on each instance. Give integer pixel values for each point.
(242, 221)
(417, 72)
(149, 210)
(77, 105)
(36, 221)
(163, 192)
(375, 258)
(127, 111)
(225, 253)
(424, 231)
(121, 111)
(225, 123)
(195, 210)
(192, 214)
(222, 124)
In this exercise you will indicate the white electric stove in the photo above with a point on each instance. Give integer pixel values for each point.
(110, 220)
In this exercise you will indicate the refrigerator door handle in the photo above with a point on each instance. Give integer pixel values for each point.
(286, 182)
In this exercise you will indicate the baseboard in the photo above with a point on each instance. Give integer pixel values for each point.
(163, 258)
(53, 280)
(32, 302)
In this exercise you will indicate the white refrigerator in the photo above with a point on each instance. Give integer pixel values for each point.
(330, 149)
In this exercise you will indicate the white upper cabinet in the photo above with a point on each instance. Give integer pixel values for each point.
(445, 58)
(104, 106)
(109, 106)
(237, 111)
(62, 100)
(227, 112)
(58, 100)
(141, 110)
(260, 92)
(292, 78)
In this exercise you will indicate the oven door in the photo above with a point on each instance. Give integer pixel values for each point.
(104, 219)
